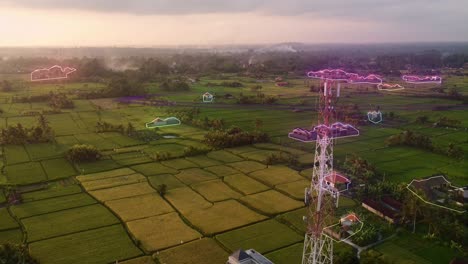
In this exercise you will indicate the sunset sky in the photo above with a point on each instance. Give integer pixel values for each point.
(202, 22)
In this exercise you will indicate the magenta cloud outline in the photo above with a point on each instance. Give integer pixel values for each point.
(422, 79)
(341, 75)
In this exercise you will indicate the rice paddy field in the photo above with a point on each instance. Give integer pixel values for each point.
(215, 202)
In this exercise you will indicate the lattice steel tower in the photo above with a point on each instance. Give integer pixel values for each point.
(321, 197)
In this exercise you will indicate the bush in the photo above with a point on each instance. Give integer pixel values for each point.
(83, 153)
(10, 253)
(161, 189)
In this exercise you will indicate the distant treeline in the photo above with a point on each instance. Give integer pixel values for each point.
(147, 69)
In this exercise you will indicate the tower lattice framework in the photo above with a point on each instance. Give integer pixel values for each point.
(319, 198)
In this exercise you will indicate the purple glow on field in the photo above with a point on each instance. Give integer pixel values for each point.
(340, 75)
(129, 99)
(55, 72)
(422, 79)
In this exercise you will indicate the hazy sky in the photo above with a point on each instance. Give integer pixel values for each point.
(200, 22)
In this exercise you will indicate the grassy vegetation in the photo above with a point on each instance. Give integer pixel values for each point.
(102, 245)
(222, 216)
(198, 251)
(137, 207)
(122, 191)
(25, 173)
(162, 231)
(50, 205)
(271, 202)
(190, 176)
(67, 221)
(223, 194)
(263, 237)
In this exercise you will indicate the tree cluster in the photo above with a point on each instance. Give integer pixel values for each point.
(259, 98)
(359, 169)
(103, 126)
(412, 139)
(20, 135)
(11, 253)
(233, 137)
(83, 153)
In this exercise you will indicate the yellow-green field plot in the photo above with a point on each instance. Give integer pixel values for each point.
(205, 250)
(25, 173)
(6, 221)
(137, 207)
(295, 189)
(140, 260)
(102, 245)
(14, 236)
(113, 182)
(50, 205)
(105, 174)
(245, 184)
(179, 164)
(224, 156)
(154, 169)
(263, 237)
(223, 216)
(186, 200)
(15, 154)
(203, 161)
(274, 175)
(67, 221)
(215, 191)
(242, 149)
(58, 168)
(247, 166)
(194, 175)
(169, 180)
(222, 170)
(162, 231)
(271, 202)
(287, 255)
(122, 191)
(259, 155)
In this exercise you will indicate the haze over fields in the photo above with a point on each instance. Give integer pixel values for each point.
(179, 22)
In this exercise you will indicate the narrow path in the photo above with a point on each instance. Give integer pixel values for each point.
(360, 249)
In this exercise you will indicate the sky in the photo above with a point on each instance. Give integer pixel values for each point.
(214, 22)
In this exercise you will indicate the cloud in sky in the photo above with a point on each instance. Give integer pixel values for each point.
(254, 21)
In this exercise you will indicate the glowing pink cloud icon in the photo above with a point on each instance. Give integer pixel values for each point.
(340, 75)
(55, 72)
(422, 79)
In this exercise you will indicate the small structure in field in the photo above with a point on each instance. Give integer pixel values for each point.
(439, 192)
(388, 208)
(249, 256)
(159, 122)
(207, 97)
(348, 226)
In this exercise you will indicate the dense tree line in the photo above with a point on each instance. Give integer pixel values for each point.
(55, 100)
(412, 139)
(102, 126)
(18, 134)
(233, 137)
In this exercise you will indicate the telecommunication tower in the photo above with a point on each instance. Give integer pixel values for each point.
(322, 196)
